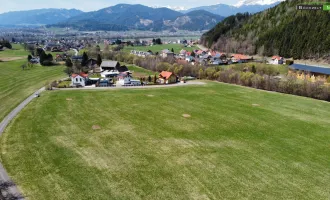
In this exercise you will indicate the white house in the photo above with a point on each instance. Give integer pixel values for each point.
(277, 60)
(79, 79)
(126, 79)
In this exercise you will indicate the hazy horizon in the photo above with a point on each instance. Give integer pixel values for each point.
(21, 5)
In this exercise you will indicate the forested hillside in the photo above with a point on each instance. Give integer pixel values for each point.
(280, 30)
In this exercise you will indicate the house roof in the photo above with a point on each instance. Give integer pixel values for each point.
(241, 56)
(81, 74)
(109, 63)
(312, 69)
(165, 74)
(276, 57)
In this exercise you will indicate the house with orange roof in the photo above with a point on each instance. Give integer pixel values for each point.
(240, 58)
(79, 79)
(166, 77)
(277, 60)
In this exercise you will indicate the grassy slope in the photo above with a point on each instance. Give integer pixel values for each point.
(16, 84)
(145, 149)
(157, 48)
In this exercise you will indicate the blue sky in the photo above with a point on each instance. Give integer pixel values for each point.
(89, 5)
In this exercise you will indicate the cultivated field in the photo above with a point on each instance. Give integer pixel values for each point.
(158, 48)
(17, 84)
(215, 141)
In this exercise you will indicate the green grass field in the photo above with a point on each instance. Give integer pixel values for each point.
(239, 143)
(157, 48)
(17, 84)
(139, 71)
(16, 53)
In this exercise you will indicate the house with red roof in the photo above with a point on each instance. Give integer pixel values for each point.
(277, 60)
(79, 79)
(167, 77)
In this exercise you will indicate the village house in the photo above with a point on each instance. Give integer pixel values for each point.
(277, 60)
(109, 65)
(240, 58)
(79, 79)
(125, 78)
(167, 77)
(167, 53)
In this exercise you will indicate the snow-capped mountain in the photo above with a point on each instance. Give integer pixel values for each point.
(176, 8)
(256, 2)
(251, 6)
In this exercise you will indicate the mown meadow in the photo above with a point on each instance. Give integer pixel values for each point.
(214, 141)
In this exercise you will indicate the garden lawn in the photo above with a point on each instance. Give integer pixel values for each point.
(233, 143)
(17, 84)
(158, 48)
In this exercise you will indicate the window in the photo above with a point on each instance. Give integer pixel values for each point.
(76, 79)
(80, 79)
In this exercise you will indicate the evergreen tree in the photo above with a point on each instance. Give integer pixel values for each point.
(84, 59)
(43, 57)
(68, 63)
(172, 50)
(99, 60)
(149, 79)
(155, 79)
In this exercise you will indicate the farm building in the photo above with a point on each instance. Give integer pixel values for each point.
(109, 65)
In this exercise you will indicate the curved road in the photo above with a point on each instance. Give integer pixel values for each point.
(4, 177)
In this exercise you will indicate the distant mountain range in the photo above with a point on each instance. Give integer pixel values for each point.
(123, 17)
(250, 6)
(37, 17)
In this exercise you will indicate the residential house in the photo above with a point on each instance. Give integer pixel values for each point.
(167, 54)
(167, 77)
(109, 65)
(277, 60)
(79, 79)
(91, 63)
(240, 58)
(125, 78)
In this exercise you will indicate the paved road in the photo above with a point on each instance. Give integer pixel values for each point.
(4, 177)
(136, 87)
